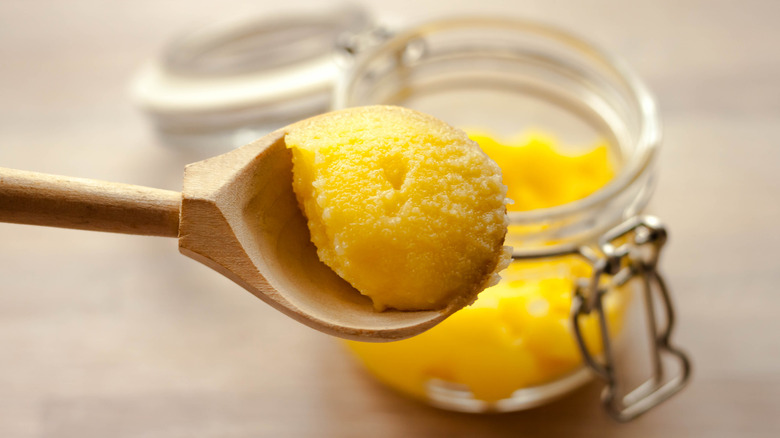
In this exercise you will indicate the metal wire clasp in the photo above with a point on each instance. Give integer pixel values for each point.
(629, 251)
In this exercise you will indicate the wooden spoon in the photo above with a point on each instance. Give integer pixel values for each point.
(238, 215)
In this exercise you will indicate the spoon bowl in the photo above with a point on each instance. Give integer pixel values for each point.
(240, 216)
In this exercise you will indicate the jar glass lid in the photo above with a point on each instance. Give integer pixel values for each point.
(227, 83)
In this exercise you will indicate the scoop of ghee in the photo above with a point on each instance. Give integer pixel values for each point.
(518, 333)
(401, 205)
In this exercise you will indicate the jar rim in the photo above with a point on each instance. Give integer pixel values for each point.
(649, 135)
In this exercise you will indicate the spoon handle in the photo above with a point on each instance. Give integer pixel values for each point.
(60, 201)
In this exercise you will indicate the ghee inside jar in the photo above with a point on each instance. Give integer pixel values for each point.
(404, 207)
(518, 333)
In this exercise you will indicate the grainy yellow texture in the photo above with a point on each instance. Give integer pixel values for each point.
(404, 207)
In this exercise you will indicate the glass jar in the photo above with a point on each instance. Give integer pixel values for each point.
(513, 352)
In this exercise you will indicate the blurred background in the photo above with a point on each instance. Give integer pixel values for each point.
(112, 335)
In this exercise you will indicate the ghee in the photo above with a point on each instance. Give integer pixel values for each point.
(404, 207)
(518, 333)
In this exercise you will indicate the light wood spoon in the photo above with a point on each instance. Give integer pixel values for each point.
(237, 214)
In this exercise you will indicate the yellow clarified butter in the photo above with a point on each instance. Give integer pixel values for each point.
(404, 207)
(539, 174)
(518, 333)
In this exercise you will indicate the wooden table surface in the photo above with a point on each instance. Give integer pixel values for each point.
(119, 336)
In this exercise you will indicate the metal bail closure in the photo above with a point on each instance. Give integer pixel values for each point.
(630, 251)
